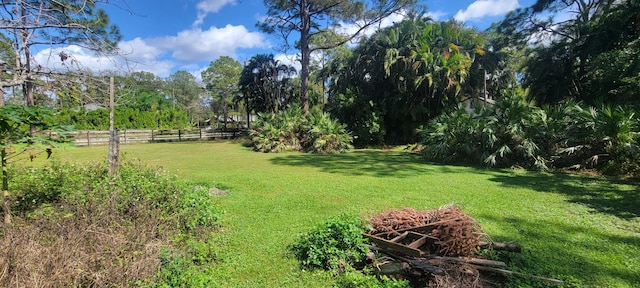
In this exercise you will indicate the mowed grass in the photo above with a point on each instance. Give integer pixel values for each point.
(569, 225)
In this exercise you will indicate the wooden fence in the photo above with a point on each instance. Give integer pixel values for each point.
(95, 137)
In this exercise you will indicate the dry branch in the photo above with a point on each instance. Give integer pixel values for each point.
(511, 247)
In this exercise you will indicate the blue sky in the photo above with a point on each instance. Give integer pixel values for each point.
(163, 36)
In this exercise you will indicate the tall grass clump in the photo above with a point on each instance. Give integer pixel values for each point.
(291, 130)
(74, 226)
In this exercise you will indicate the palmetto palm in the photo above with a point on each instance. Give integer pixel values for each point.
(596, 134)
(502, 135)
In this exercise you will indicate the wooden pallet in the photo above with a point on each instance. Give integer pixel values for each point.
(409, 242)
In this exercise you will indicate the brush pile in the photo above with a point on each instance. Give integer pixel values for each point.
(435, 248)
(457, 233)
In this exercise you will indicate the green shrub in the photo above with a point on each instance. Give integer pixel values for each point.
(33, 187)
(197, 209)
(452, 137)
(500, 135)
(514, 132)
(327, 135)
(336, 242)
(291, 130)
(88, 187)
(278, 132)
(606, 138)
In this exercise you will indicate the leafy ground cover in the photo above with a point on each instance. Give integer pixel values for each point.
(573, 227)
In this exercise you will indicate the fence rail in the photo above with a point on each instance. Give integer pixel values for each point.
(101, 137)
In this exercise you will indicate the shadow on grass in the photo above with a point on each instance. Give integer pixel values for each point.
(368, 163)
(614, 197)
(562, 249)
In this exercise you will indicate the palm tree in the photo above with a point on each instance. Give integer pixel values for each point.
(403, 76)
(436, 59)
(264, 83)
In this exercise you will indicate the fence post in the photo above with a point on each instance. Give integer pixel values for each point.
(125, 135)
(114, 152)
(88, 139)
(152, 140)
(179, 136)
(200, 129)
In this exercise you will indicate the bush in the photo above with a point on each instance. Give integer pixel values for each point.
(33, 187)
(326, 135)
(336, 242)
(501, 135)
(291, 130)
(605, 138)
(80, 228)
(278, 132)
(516, 133)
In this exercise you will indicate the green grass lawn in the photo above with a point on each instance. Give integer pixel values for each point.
(569, 225)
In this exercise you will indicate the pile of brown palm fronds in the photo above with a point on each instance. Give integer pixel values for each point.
(458, 234)
(436, 248)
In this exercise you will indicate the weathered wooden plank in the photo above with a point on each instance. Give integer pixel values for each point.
(421, 241)
(399, 237)
(476, 261)
(395, 246)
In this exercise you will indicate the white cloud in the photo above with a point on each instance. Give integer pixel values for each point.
(209, 6)
(139, 49)
(290, 60)
(76, 58)
(436, 15)
(158, 55)
(482, 8)
(135, 56)
(351, 28)
(207, 45)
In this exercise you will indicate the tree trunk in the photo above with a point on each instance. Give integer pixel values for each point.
(224, 112)
(306, 54)
(248, 115)
(6, 201)
(114, 152)
(1, 96)
(114, 137)
(28, 84)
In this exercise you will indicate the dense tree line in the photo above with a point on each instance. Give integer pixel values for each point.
(593, 56)
(390, 85)
(125, 118)
(402, 76)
